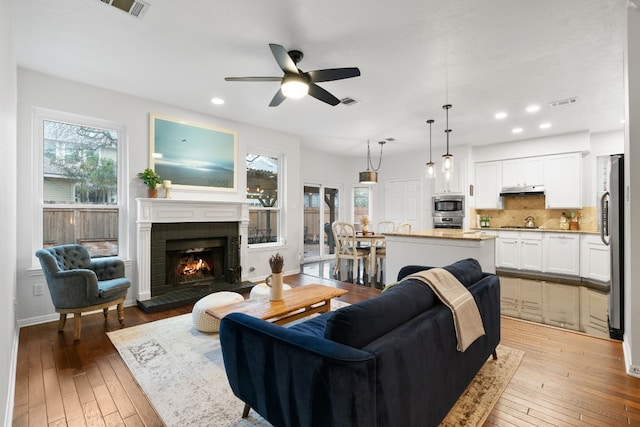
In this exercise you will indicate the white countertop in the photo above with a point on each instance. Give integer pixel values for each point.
(446, 234)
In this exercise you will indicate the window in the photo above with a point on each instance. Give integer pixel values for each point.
(263, 182)
(361, 203)
(80, 176)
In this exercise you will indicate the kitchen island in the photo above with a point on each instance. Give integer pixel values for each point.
(437, 248)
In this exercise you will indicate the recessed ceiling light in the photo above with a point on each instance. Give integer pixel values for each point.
(217, 101)
(533, 108)
(500, 115)
(545, 125)
(623, 121)
(516, 130)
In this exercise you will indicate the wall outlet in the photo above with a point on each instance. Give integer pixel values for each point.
(38, 289)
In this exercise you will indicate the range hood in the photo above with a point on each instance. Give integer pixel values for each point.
(527, 190)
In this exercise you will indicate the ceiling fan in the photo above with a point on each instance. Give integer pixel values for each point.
(296, 83)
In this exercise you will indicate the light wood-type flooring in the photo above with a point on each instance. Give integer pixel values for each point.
(565, 379)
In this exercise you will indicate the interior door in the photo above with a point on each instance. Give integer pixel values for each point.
(403, 202)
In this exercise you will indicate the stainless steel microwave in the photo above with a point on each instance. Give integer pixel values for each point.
(449, 206)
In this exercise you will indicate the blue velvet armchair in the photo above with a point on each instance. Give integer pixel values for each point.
(80, 284)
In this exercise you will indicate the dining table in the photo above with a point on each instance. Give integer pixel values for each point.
(372, 239)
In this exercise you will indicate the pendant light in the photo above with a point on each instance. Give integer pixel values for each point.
(370, 176)
(431, 167)
(447, 158)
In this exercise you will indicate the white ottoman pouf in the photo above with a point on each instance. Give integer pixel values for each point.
(204, 322)
(262, 290)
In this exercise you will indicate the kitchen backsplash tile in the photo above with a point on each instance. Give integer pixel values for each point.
(516, 209)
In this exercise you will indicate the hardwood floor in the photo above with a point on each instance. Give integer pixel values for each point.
(565, 378)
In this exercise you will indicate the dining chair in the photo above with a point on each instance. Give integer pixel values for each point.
(381, 247)
(344, 235)
(403, 227)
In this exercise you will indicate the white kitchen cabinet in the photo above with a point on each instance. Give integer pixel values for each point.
(524, 171)
(561, 253)
(488, 185)
(561, 305)
(563, 181)
(521, 298)
(519, 250)
(594, 312)
(507, 255)
(595, 262)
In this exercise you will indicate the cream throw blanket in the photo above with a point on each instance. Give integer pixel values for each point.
(454, 295)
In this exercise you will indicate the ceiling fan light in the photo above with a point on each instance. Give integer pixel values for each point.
(368, 177)
(294, 88)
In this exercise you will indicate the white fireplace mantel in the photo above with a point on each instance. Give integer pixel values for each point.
(150, 211)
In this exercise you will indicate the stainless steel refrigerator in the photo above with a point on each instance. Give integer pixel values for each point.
(612, 234)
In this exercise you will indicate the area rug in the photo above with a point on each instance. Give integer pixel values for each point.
(181, 371)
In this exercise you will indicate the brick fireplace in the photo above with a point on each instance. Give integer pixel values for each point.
(188, 249)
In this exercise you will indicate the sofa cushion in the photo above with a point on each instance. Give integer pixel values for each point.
(468, 271)
(314, 326)
(359, 324)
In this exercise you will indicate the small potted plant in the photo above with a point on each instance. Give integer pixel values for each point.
(151, 180)
(365, 224)
(274, 280)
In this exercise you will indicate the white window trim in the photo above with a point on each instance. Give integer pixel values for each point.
(282, 194)
(37, 144)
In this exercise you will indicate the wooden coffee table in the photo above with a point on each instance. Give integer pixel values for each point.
(297, 303)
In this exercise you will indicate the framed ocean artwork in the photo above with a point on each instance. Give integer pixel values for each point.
(193, 155)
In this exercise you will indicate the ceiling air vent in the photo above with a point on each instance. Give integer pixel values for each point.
(135, 8)
(563, 102)
(348, 101)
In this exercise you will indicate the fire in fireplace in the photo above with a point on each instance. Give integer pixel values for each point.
(195, 262)
(193, 267)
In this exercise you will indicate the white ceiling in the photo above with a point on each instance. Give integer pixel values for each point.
(414, 56)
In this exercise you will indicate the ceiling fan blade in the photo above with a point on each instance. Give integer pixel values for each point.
(319, 93)
(253, 79)
(277, 99)
(283, 59)
(333, 74)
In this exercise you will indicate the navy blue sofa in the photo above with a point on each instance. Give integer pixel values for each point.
(390, 360)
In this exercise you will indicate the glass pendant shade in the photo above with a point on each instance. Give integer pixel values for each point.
(368, 177)
(447, 162)
(447, 158)
(294, 87)
(431, 167)
(431, 170)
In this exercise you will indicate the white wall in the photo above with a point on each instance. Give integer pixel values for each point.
(44, 91)
(8, 102)
(632, 201)
(602, 144)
